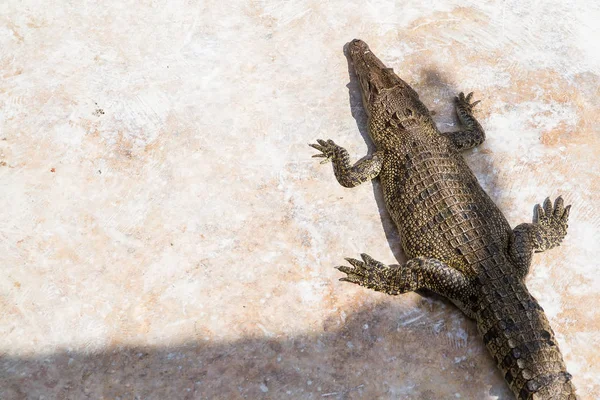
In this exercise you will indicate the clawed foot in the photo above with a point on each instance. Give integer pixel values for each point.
(375, 275)
(553, 219)
(328, 149)
(464, 103)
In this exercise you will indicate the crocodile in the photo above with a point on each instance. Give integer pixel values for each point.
(457, 241)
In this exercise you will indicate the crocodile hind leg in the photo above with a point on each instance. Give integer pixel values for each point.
(473, 134)
(348, 175)
(417, 273)
(548, 229)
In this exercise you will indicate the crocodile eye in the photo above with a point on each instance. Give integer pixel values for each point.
(409, 112)
(546, 335)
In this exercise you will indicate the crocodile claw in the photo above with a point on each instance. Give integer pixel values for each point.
(551, 215)
(553, 219)
(327, 149)
(369, 272)
(465, 101)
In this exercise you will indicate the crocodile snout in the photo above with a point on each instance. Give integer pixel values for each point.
(358, 46)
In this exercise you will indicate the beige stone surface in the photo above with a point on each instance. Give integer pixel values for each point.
(165, 233)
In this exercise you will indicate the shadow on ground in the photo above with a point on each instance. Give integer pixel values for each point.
(369, 355)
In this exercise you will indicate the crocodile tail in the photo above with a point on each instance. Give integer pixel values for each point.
(518, 335)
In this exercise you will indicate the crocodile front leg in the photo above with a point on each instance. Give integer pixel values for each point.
(473, 134)
(548, 229)
(348, 175)
(417, 273)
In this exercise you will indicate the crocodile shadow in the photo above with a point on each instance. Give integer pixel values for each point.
(359, 356)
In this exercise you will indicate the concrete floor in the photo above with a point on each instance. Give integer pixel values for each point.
(165, 233)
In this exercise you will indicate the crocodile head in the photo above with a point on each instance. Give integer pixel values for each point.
(374, 77)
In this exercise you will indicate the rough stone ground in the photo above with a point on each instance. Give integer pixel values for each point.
(165, 234)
